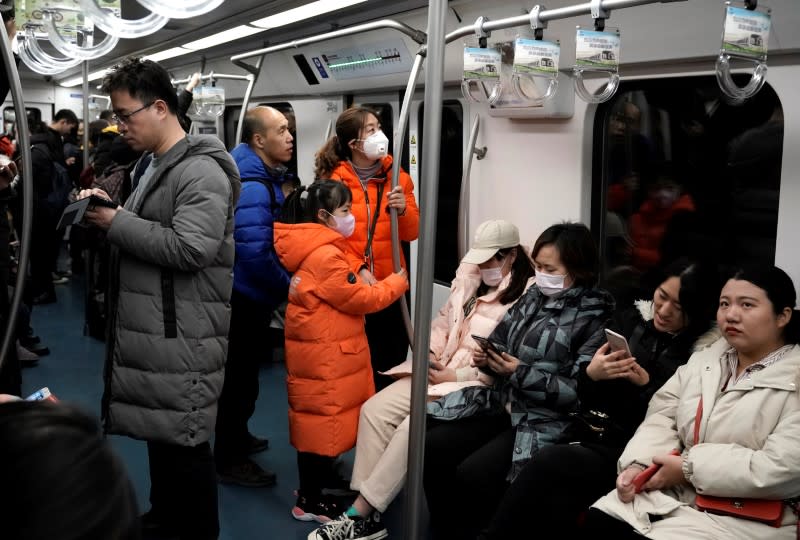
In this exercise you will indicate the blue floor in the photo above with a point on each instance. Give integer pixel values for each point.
(73, 372)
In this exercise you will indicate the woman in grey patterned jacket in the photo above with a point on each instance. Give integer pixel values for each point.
(479, 438)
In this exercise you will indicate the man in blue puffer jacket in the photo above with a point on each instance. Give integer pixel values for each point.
(260, 285)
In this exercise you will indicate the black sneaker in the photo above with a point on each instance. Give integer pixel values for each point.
(247, 474)
(256, 444)
(154, 526)
(351, 528)
(319, 508)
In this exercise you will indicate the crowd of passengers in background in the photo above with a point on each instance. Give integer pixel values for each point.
(536, 425)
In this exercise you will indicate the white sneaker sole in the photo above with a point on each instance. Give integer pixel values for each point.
(300, 515)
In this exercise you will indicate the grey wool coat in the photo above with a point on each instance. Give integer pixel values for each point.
(169, 297)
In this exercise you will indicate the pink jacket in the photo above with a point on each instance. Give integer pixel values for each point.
(451, 331)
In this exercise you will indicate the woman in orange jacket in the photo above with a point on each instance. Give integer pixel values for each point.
(329, 375)
(358, 157)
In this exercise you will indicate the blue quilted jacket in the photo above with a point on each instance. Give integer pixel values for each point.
(257, 272)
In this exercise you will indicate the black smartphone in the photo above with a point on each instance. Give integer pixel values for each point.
(486, 345)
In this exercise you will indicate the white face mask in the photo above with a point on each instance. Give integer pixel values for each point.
(550, 284)
(376, 145)
(344, 225)
(493, 276)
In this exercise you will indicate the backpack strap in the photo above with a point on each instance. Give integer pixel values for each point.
(274, 207)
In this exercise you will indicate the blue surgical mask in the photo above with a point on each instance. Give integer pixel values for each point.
(344, 225)
(550, 284)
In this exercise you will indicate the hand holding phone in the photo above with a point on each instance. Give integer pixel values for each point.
(617, 342)
(487, 345)
(642, 478)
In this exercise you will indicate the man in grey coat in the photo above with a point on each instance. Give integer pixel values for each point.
(169, 293)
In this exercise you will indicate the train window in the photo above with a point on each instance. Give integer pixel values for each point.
(450, 172)
(678, 171)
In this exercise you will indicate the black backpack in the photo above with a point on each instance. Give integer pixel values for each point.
(60, 182)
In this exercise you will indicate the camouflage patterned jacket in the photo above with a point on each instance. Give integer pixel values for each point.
(551, 336)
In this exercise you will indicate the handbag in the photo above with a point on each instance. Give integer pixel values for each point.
(763, 510)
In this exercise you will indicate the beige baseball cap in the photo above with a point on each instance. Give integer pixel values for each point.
(491, 236)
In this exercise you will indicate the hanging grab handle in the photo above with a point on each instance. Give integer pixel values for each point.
(745, 37)
(729, 86)
(608, 92)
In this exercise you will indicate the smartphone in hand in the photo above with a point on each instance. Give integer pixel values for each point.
(641, 479)
(617, 342)
(42, 394)
(487, 345)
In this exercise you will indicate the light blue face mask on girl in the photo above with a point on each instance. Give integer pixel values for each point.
(344, 225)
(550, 284)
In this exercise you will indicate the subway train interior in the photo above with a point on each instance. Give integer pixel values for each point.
(667, 124)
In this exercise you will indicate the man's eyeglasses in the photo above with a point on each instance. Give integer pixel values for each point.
(124, 118)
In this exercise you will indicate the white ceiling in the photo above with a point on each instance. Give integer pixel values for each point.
(230, 14)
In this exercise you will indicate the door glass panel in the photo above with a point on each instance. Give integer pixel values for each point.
(450, 172)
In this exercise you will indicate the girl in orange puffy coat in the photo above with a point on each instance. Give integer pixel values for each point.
(357, 155)
(329, 375)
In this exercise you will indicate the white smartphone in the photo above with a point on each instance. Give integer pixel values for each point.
(617, 342)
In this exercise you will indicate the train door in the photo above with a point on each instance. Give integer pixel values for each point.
(451, 156)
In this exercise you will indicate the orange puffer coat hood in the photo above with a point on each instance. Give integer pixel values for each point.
(379, 262)
(329, 374)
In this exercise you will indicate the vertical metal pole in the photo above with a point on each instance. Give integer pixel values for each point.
(246, 99)
(397, 155)
(463, 200)
(24, 144)
(86, 119)
(434, 80)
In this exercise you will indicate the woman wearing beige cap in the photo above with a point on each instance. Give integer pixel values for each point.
(491, 277)
(479, 438)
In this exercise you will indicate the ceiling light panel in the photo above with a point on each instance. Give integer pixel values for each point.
(304, 12)
(223, 37)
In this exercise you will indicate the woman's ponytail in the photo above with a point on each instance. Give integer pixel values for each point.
(328, 157)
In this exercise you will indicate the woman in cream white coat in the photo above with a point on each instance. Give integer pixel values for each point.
(746, 443)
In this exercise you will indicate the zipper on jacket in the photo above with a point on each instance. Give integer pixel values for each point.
(368, 258)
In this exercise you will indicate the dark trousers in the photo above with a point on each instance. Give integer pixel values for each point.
(598, 524)
(553, 491)
(10, 372)
(45, 243)
(183, 489)
(388, 341)
(466, 464)
(314, 470)
(247, 346)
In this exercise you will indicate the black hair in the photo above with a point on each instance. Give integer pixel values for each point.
(779, 289)
(144, 80)
(68, 115)
(60, 477)
(576, 249)
(521, 271)
(303, 204)
(106, 114)
(698, 295)
(11, 13)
